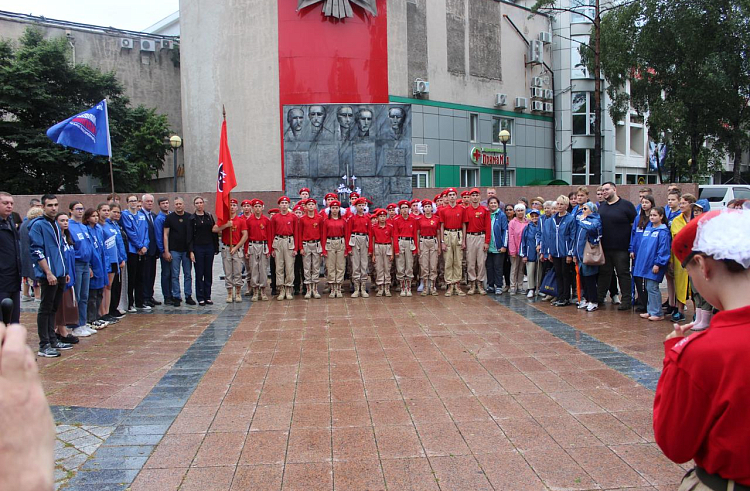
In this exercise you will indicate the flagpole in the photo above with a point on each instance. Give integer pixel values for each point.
(109, 149)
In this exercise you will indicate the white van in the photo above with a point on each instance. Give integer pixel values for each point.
(718, 195)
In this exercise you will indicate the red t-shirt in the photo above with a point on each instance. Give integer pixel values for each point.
(703, 396)
(282, 225)
(257, 228)
(333, 228)
(239, 224)
(381, 235)
(429, 227)
(406, 228)
(310, 229)
(452, 218)
(478, 220)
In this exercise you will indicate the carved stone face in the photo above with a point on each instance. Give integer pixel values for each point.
(294, 117)
(345, 115)
(364, 121)
(396, 117)
(317, 115)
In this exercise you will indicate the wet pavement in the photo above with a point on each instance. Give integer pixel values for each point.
(460, 393)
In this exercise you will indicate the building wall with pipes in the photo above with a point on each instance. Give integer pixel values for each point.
(150, 78)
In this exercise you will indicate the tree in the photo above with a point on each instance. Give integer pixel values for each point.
(686, 61)
(38, 88)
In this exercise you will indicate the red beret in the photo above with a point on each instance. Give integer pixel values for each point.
(416, 200)
(426, 202)
(246, 202)
(257, 202)
(332, 195)
(233, 201)
(391, 206)
(464, 194)
(297, 207)
(474, 190)
(380, 212)
(284, 198)
(360, 201)
(450, 190)
(310, 200)
(682, 244)
(403, 202)
(304, 190)
(354, 195)
(437, 197)
(273, 210)
(336, 203)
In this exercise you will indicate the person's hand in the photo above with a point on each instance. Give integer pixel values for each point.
(67, 279)
(91, 273)
(575, 260)
(680, 330)
(632, 255)
(51, 279)
(390, 258)
(142, 251)
(655, 269)
(122, 265)
(167, 256)
(303, 253)
(568, 259)
(192, 257)
(27, 431)
(324, 254)
(463, 245)
(503, 250)
(486, 247)
(233, 249)
(445, 247)
(294, 253)
(525, 260)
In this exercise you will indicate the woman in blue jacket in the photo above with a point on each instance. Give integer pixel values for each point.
(111, 258)
(498, 246)
(122, 256)
(529, 240)
(83, 244)
(654, 252)
(639, 225)
(557, 246)
(589, 230)
(99, 273)
(67, 312)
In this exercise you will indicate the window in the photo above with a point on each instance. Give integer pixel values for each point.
(499, 124)
(584, 11)
(498, 177)
(618, 179)
(578, 69)
(469, 178)
(584, 169)
(420, 179)
(474, 127)
(741, 193)
(583, 118)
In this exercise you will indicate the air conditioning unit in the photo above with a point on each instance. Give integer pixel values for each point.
(501, 99)
(545, 37)
(537, 93)
(536, 52)
(521, 103)
(549, 94)
(536, 81)
(167, 44)
(549, 107)
(126, 43)
(148, 45)
(537, 106)
(421, 87)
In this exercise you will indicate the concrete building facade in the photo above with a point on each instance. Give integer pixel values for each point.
(469, 51)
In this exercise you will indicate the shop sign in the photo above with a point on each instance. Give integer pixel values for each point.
(489, 156)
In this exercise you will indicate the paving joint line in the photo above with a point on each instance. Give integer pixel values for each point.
(139, 432)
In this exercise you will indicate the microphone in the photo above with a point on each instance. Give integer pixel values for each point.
(7, 307)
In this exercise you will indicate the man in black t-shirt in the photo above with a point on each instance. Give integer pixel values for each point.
(617, 215)
(177, 251)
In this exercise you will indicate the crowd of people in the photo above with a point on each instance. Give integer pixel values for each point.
(89, 267)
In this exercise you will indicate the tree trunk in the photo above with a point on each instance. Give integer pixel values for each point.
(597, 92)
(736, 174)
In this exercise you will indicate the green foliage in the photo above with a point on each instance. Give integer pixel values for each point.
(39, 88)
(687, 63)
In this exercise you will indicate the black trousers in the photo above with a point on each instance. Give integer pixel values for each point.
(506, 269)
(135, 280)
(589, 288)
(640, 288)
(204, 268)
(299, 273)
(562, 272)
(15, 314)
(50, 301)
(272, 264)
(114, 299)
(149, 276)
(494, 264)
(616, 261)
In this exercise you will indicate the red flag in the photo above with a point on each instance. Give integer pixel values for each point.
(226, 180)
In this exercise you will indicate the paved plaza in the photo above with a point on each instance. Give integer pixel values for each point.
(422, 393)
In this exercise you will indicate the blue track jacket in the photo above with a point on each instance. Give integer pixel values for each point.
(558, 240)
(98, 259)
(46, 242)
(589, 229)
(530, 237)
(654, 250)
(81, 240)
(499, 230)
(136, 228)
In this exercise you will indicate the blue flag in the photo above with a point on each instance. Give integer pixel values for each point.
(87, 131)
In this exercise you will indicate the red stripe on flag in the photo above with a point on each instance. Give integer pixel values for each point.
(225, 181)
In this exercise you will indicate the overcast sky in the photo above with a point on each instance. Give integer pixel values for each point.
(133, 15)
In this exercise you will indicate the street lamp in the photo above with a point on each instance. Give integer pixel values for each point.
(175, 142)
(505, 138)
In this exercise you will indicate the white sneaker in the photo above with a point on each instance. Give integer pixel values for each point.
(616, 300)
(420, 288)
(592, 307)
(89, 329)
(583, 305)
(81, 332)
(530, 294)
